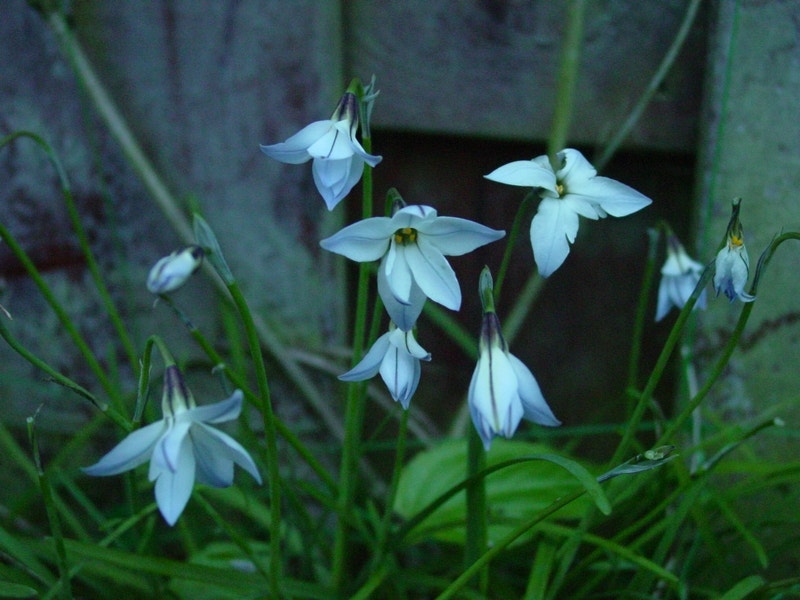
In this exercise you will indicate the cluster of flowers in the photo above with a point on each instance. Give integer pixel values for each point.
(411, 246)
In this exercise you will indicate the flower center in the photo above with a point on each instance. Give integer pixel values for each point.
(560, 189)
(736, 240)
(405, 236)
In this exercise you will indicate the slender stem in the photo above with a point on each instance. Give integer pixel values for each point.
(356, 395)
(477, 527)
(62, 315)
(383, 532)
(83, 241)
(61, 379)
(652, 86)
(490, 554)
(733, 340)
(641, 309)
(658, 370)
(511, 242)
(567, 75)
(269, 433)
(52, 513)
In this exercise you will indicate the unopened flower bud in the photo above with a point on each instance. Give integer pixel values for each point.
(172, 271)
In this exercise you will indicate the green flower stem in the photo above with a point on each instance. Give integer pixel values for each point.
(730, 346)
(83, 241)
(63, 317)
(567, 75)
(655, 376)
(477, 527)
(52, 514)
(641, 309)
(511, 242)
(355, 403)
(241, 541)
(652, 86)
(60, 379)
(171, 209)
(269, 433)
(378, 564)
(240, 383)
(490, 554)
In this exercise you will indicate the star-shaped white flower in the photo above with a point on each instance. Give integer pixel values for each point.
(679, 277)
(338, 156)
(573, 190)
(412, 244)
(172, 271)
(395, 355)
(181, 446)
(503, 391)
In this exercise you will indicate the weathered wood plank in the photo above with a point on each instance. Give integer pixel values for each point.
(489, 68)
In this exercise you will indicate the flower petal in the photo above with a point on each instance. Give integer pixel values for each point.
(433, 273)
(527, 173)
(294, 150)
(553, 229)
(534, 406)
(219, 412)
(454, 236)
(363, 241)
(216, 452)
(494, 394)
(166, 453)
(398, 272)
(615, 198)
(131, 452)
(371, 363)
(335, 178)
(403, 314)
(400, 372)
(335, 144)
(173, 488)
(406, 342)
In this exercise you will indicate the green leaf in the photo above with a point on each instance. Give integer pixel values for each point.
(743, 588)
(15, 590)
(218, 555)
(527, 480)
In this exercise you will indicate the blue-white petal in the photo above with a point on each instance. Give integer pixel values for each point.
(433, 274)
(400, 372)
(534, 406)
(553, 229)
(371, 363)
(219, 412)
(403, 314)
(216, 451)
(525, 173)
(295, 149)
(363, 241)
(454, 236)
(131, 452)
(173, 488)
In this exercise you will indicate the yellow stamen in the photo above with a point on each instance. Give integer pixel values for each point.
(405, 236)
(560, 189)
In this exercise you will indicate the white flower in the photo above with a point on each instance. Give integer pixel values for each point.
(413, 244)
(503, 390)
(733, 269)
(679, 277)
(172, 271)
(338, 156)
(395, 355)
(573, 190)
(181, 446)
